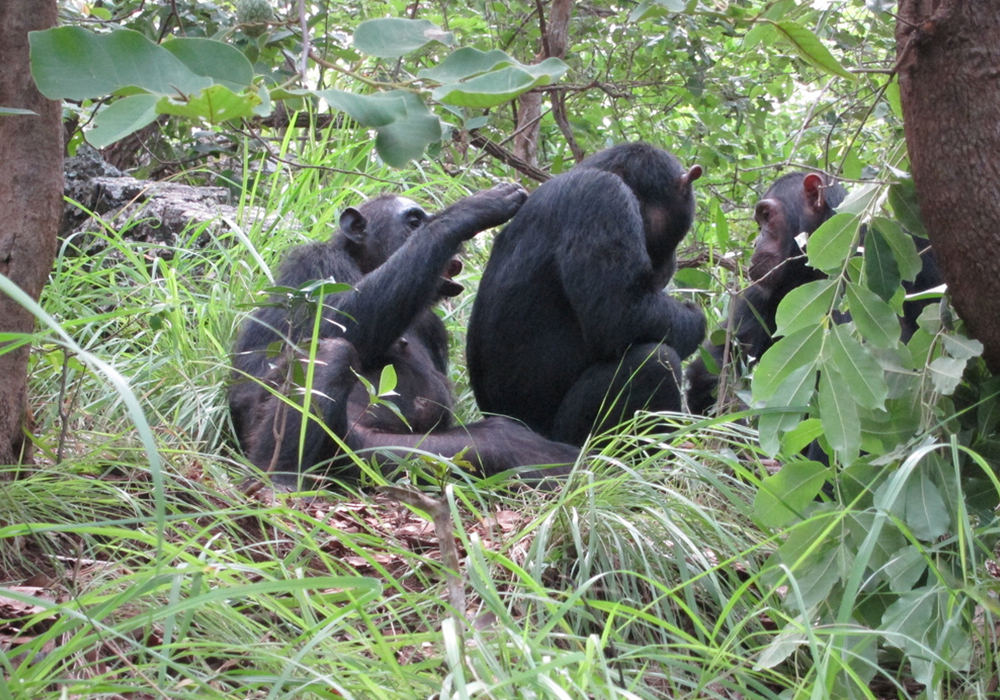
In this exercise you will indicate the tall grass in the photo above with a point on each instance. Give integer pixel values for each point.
(158, 578)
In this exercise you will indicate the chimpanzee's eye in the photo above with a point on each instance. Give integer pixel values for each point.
(415, 218)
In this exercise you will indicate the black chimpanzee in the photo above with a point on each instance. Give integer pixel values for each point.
(399, 263)
(571, 330)
(797, 202)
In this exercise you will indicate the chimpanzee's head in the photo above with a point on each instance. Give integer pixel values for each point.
(795, 203)
(663, 189)
(379, 227)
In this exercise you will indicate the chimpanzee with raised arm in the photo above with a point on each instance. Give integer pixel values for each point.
(571, 331)
(399, 262)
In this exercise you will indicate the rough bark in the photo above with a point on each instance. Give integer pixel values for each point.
(30, 203)
(555, 38)
(949, 77)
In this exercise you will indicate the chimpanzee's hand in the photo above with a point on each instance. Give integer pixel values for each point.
(488, 208)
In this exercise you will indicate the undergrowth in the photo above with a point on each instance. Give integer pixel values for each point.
(133, 566)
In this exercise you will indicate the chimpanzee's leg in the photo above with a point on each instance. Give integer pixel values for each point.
(607, 394)
(492, 446)
(276, 427)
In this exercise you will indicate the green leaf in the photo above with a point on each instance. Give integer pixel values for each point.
(499, 86)
(215, 104)
(962, 348)
(805, 306)
(380, 109)
(15, 111)
(905, 568)
(72, 63)
(783, 497)
(926, 513)
(903, 200)
(387, 381)
(857, 368)
(672, 5)
(406, 139)
(903, 246)
(788, 354)
(465, 63)
(831, 244)
(223, 63)
(909, 617)
(795, 392)
(798, 438)
(394, 37)
(946, 373)
(839, 414)
(875, 320)
(881, 270)
(810, 48)
(121, 118)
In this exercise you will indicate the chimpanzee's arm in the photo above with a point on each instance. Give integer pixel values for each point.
(607, 273)
(386, 302)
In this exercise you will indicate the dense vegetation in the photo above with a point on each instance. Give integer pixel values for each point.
(707, 562)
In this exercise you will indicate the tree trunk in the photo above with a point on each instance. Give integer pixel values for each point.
(30, 203)
(555, 38)
(949, 78)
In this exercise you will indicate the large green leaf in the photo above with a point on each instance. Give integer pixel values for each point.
(72, 63)
(839, 414)
(121, 118)
(857, 368)
(783, 496)
(926, 513)
(406, 139)
(499, 86)
(831, 244)
(805, 306)
(223, 63)
(394, 37)
(380, 109)
(809, 47)
(788, 354)
(465, 63)
(875, 319)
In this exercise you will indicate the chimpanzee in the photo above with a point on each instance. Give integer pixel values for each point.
(399, 262)
(797, 202)
(571, 330)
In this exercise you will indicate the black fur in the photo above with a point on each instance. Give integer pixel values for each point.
(571, 330)
(393, 254)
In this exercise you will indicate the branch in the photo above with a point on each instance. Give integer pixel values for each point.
(507, 158)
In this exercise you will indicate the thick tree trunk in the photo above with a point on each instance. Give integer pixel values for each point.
(555, 38)
(30, 203)
(949, 77)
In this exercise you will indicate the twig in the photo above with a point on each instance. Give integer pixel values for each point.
(304, 25)
(445, 529)
(507, 158)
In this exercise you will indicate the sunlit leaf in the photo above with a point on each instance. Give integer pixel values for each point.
(783, 496)
(962, 348)
(809, 47)
(831, 244)
(805, 306)
(499, 86)
(215, 104)
(946, 373)
(465, 63)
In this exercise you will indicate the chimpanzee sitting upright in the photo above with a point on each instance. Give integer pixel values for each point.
(394, 255)
(796, 203)
(571, 330)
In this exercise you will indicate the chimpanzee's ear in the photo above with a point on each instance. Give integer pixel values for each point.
(813, 187)
(353, 225)
(690, 176)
